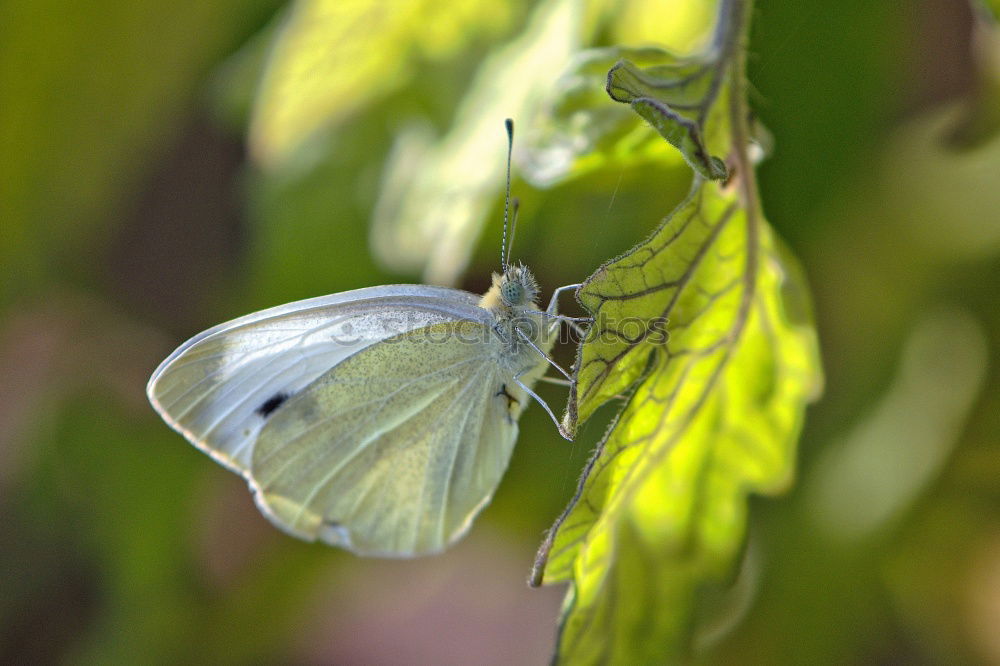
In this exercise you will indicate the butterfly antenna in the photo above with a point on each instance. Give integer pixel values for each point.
(504, 251)
(516, 205)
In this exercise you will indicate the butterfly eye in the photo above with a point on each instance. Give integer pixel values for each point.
(512, 292)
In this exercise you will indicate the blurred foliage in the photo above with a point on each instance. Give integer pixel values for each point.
(333, 58)
(87, 98)
(134, 211)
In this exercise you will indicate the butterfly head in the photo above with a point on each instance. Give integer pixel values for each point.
(518, 287)
(514, 289)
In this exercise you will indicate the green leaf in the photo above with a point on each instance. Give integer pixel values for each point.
(706, 328)
(676, 99)
(662, 508)
(577, 131)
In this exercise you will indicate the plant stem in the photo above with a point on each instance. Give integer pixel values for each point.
(738, 23)
(737, 15)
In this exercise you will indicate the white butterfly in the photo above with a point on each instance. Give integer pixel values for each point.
(380, 420)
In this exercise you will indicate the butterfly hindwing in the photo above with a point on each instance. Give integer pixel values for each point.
(396, 449)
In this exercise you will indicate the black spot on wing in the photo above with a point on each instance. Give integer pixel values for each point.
(272, 403)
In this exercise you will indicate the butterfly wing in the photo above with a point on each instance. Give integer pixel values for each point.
(219, 387)
(395, 450)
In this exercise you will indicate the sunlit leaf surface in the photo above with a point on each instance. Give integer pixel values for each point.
(717, 415)
(706, 327)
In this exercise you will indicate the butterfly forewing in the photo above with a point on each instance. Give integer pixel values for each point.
(220, 387)
(396, 449)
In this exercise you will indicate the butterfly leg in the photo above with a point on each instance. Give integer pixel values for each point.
(559, 317)
(579, 330)
(572, 323)
(562, 431)
(562, 382)
(554, 301)
(555, 380)
(552, 311)
(531, 342)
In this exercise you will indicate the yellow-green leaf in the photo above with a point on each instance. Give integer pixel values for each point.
(706, 328)
(662, 510)
(577, 131)
(677, 99)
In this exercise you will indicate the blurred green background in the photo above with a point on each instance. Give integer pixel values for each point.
(167, 167)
